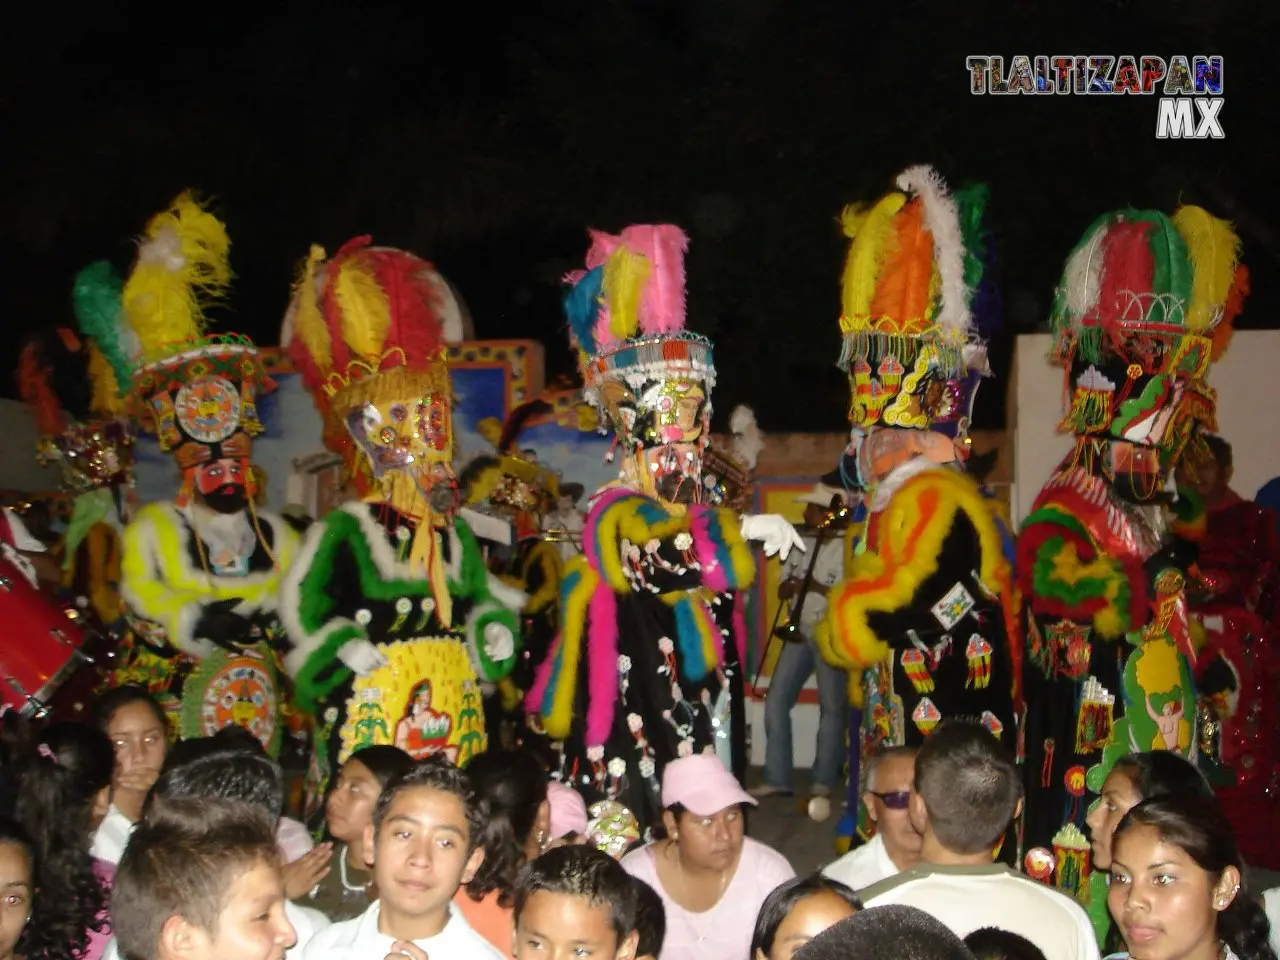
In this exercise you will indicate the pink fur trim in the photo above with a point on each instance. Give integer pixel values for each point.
(602, 664)
(533, 699)
(715, 576)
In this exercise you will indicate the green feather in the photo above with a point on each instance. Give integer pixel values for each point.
(97, 297)
(972, 203)
(1172, 274)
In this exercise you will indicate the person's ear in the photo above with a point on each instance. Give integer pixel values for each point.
(473, 864)
(628, 947)
(369, 844)
(181, 938)
(1225, 890)
(870, 803)
(917, 812)
(669, 823)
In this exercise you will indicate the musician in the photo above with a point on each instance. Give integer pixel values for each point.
(807, 578)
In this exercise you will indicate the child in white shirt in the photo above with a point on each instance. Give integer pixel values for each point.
(424, 845)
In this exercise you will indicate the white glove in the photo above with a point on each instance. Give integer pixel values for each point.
(499, 642)
(361, 656)
(774, 531)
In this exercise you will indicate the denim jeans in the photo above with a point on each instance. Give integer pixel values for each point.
(796, 663)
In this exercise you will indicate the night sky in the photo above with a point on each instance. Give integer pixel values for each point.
(487, 141)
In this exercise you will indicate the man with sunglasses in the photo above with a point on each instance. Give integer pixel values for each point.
(896, 844)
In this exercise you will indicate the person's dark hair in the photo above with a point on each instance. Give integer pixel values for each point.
(779, 904)
(510, 786)
(992, 943)
(11, 832)
(651, 919)
(105, 707)
(220, 769)
(1220, 450)
(58, 783)
(904, 933)
(969, 785)
(581, 871)
(184, 860)
(383, 761)
(1197, 826)
(433, 773)
(1159, 772)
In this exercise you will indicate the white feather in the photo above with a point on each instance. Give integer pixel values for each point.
(942, 218)
(1082, 277)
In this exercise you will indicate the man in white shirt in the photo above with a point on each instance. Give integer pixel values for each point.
(966, 793)
(896, 844)
(799, 657)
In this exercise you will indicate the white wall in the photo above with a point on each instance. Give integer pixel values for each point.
(18, 438)
(1247, 379)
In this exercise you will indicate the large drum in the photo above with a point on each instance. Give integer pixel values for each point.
(44, 645)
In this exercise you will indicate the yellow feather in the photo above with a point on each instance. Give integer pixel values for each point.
(308, 322)
(871, 231)
(366, 315)
(183, 268)
(1213, 249)
(625, 274)
(105, 397)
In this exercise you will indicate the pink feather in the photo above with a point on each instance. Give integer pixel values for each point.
(662, 306)
(740, 627)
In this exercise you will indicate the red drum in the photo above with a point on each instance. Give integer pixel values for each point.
(43, 645)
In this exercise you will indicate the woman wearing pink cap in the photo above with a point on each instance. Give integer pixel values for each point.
(568, 815)
(712, 877)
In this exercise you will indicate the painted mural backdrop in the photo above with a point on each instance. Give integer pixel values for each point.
(489, 379)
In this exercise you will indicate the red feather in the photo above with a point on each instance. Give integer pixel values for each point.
(36, 391)
(1128, 266)
(414, 303)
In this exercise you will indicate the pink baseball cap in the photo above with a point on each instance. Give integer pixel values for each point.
(568, 810)
(702, 785)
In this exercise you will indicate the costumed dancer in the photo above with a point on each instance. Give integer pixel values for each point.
(201, 572)
(1144, 305)
(522, 492)
(72, 380)
(648, 666)
(1233, 597)
(395, 621)
(924, 620)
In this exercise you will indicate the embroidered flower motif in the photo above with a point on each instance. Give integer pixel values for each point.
(684, 540)
(646, 767)
(624, 664)
(595, 754)
(331, 715)
(665, 645)
(404, 605)
(617, 767)
(634, 722)
(364, 617)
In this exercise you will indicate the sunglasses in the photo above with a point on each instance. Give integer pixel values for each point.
(894, 801)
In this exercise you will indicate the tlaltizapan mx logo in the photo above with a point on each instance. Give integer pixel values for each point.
(1189, 88)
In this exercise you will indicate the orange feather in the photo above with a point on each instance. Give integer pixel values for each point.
(37, 393)
(903, 291)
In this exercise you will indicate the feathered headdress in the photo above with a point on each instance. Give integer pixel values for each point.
(517, 487)
(626, 311)
(917, 268)
(366, 330)
(1145, 301)
(195, 390)
(70, 383)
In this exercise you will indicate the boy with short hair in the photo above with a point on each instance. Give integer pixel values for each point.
(575, 900)
(200, 880)
(424, 842)
(651, 921)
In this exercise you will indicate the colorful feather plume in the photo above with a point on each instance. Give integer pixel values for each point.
(874, 242)
(182, 270)
(1128, 272)
(942, 220)
(307, 323)
(1213, 249)
(105, 399)
(903, 293)
(96, 294)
